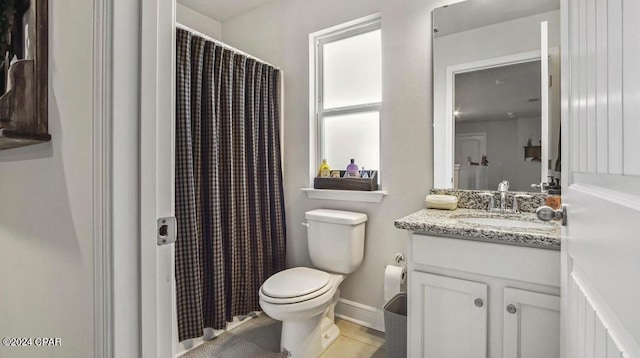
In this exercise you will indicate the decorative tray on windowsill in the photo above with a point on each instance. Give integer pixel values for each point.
(363, 184)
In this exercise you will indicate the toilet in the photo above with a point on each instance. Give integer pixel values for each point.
(304, 298)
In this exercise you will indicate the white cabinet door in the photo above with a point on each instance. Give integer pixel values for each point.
(450, 317)
(531, 324)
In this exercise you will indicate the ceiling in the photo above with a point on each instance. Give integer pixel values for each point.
(472, 14)
(491, 94)
(222, 10)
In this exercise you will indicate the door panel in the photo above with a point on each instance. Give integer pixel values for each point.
(600, 243)
(593, 337)
(470, 145)
(158, 339)
(631, 85)
(533, 330)
(589, 43)
(452, 322)
(604, 251)
(613, 100)
(600, 102)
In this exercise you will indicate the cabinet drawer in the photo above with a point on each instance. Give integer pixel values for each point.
(525, 264)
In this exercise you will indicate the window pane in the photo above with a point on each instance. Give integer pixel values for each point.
(352, 71)
(354, 136)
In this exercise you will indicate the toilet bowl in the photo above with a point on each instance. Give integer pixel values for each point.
(304, 298)
(307, 317)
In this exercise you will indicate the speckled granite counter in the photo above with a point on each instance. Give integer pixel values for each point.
(447, 223)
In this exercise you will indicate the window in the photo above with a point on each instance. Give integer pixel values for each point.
(346, 95)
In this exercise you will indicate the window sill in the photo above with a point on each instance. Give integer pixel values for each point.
(346, 195)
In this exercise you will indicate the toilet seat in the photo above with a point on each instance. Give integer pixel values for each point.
(295, 285)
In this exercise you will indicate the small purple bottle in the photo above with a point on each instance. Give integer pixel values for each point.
(352, 170)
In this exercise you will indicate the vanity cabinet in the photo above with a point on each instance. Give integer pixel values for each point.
(482, 300)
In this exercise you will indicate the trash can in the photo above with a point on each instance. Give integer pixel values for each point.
(395, 326)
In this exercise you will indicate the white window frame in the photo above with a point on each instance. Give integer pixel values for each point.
(316, 111)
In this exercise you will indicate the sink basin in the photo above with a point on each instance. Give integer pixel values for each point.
(505, 223)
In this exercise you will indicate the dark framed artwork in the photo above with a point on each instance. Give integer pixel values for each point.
(23, 72)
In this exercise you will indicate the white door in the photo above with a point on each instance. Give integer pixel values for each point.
(601, 178)
(452, 320)
(470, 147)
(157, 178)
(531, 324)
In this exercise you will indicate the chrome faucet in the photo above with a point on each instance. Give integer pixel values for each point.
(503, 188)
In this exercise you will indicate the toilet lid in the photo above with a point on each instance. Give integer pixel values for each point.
(295, 282)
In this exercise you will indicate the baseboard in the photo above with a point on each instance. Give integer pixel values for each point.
(358, 313)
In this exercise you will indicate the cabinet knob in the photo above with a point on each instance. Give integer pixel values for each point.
(511, 309)
(478, 302)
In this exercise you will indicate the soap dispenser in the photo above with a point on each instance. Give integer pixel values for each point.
(352, 170)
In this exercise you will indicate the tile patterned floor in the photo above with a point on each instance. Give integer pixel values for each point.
(356, 342)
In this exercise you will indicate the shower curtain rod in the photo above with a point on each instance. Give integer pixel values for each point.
(229, 47)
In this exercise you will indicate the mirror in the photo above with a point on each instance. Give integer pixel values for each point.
(496, 102)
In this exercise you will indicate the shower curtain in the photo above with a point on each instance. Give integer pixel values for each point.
(229, 195)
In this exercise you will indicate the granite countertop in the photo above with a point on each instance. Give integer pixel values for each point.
(447, 223)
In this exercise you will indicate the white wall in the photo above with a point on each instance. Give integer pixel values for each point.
(199, 22)
(503, 39)
(279, 33)
(46, 233)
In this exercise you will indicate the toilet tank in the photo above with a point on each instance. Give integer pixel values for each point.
(336, 239)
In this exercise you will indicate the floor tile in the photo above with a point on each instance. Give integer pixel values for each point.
(345, 347)
(360, 333)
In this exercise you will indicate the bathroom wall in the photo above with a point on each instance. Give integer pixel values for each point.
(505, 152)
(279, 33)
(199, 22)
(46, 219)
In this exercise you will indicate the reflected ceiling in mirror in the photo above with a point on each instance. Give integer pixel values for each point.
(473, 14)
(498, 93)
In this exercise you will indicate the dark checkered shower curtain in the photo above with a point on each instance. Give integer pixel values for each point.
(229, 196)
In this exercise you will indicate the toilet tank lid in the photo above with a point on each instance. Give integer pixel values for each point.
(335, 216)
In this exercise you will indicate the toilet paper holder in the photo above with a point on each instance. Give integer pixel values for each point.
(398, 258)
